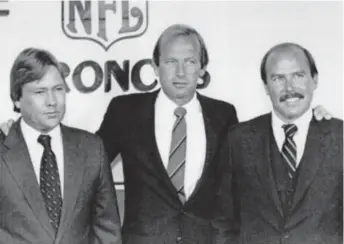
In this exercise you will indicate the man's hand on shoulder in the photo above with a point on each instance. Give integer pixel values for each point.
(321, 113)
(5, 126)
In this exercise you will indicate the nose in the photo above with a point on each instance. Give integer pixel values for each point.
(180, 70)
(289, 83)
(51, 98)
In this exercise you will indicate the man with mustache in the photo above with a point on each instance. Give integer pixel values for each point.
(56, 185)
(285, 168)
(164, 204)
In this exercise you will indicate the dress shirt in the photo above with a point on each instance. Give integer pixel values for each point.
(196, 139)
(36, 149)
(300, 136)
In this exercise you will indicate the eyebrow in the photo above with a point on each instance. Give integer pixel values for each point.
(283, 74)
(277, 74)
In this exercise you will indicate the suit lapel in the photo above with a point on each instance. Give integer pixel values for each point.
(148, 149)
(74, 157)
(316, 148)
(260, 152)
(17, 159)
(211, 124)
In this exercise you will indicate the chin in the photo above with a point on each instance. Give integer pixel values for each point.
(292, 115)
(51, 124)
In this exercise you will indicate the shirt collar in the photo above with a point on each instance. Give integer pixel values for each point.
(164, 103)
(31, 135)
(301, 122)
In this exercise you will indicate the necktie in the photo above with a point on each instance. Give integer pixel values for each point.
(50, 182)
(176, 162)
(289, 151)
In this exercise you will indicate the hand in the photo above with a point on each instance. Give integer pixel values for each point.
(5, 127)
(321, 113)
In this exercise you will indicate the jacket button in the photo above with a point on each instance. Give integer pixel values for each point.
(179, 239)
(286, 236)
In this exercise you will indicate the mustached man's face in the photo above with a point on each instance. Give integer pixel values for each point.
(290, 84)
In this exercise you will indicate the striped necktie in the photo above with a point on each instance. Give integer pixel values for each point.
(289, 151)
(50, 182)
(176, 162)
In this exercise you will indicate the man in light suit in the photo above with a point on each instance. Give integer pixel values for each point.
(167, 202)
(55, 182)
(285, 169)
(162, 204)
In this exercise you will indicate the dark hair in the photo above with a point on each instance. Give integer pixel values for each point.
(30, 65)
(183, 30)
(310, 59)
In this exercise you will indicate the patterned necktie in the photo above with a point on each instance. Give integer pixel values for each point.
(50, 182)
(289, 150)
(176, 162)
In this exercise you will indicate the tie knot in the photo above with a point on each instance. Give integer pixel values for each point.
(44, 140)
(289, 129)
(180, 112)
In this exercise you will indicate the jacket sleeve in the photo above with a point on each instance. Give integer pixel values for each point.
(106, 222)
(110, 129)
(225, 221)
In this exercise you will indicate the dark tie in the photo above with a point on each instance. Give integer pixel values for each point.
(50, 182)
(289, 151)
(176, 162)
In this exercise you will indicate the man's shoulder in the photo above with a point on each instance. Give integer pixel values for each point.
(334, 126)
(217, 107)
(2, 137)
(2, 140)
(82, 135)
(215, 102)
(254, 123)
(133, 99)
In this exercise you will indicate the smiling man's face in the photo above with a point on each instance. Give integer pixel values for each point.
(290, 84)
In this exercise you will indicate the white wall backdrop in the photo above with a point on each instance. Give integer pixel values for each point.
(237, 35)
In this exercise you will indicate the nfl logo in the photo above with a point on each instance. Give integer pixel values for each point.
(104, 22)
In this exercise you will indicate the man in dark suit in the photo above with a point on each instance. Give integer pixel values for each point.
(168, 140)
(56, 185)
(285, 171)
(171, 161)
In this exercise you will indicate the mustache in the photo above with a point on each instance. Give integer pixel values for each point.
(291, 95)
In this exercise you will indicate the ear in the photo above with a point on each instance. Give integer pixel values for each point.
(17, 104)
(156, 68)
(315, 79)
(266, 89)
(202, 71)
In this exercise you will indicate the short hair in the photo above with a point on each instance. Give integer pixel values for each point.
(30, 65)
(309, 57)
(181, 30)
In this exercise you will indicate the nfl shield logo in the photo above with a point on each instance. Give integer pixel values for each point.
(104, 22)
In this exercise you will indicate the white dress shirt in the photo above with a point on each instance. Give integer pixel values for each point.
(195, 142)
(36, 149)
(300, 136)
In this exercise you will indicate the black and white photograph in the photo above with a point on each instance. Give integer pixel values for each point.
(171, 122)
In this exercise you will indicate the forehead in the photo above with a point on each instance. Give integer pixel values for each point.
(287, 59)
(181, 44)
(52, 77)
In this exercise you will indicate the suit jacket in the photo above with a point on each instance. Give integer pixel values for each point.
(153, 211)
(316, 211)
(89, 213)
